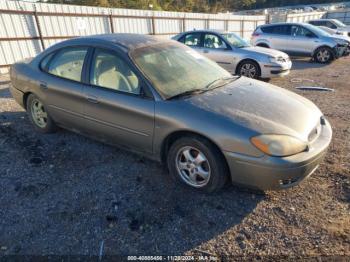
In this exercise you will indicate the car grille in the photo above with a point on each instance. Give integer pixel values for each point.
(284, 59)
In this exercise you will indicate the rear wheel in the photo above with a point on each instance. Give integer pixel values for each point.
(249, 69)
(39, 116)
(195, 162)
(324, 55)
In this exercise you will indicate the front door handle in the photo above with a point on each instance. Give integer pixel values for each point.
(92, 99)
(206, 51)
(43, 85)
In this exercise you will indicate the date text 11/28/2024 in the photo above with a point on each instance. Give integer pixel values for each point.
(173, 258)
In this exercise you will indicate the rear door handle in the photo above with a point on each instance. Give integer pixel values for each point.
(206, 51)
(92, 99)
(43, 85)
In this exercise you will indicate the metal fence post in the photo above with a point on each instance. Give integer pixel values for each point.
(111, 22)
(242, 28)
(183, 24)
(39, 30)
(153, 25)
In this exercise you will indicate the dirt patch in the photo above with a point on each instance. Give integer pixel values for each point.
(65, 194)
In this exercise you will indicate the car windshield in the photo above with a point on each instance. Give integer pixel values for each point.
(235, 40)
(338, 23)
(174, 69)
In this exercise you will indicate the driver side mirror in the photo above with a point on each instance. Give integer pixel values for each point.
(309, 35)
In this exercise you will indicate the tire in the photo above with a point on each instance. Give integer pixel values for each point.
(324, 55)
(209, 174)
(39, 117)
(249, 69)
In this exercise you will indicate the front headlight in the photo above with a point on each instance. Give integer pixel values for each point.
(279, 59)
(342, 33)
(279, 145)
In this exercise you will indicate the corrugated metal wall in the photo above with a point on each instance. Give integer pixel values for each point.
(20, 37)
(343, 16)
(304, 17)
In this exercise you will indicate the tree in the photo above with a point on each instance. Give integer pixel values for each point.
(206, 6)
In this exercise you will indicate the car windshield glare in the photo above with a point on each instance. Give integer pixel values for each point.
(235, 40)
(174, 68)
(338, 23)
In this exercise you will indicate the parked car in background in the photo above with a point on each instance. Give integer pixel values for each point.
(301, 39)
(236, 55)
(168, 102)
(334, 31)
(335, 24)
(309, 9)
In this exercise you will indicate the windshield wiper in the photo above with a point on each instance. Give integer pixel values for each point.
(212, 85)
(222, 80)
(187, 93)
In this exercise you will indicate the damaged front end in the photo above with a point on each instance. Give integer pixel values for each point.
(342, 49)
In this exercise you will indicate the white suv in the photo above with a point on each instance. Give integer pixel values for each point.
(301, 39)
(335, 24)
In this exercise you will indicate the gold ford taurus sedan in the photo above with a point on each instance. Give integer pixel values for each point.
(168, 102)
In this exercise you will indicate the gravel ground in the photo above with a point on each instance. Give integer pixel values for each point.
(66, 194)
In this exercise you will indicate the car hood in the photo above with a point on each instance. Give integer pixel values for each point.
(261, 107)
(265, 51)
(343, 37)
(339, 37)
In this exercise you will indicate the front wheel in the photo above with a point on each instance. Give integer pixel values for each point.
(324, 55)
(197, 163)
(249, 69)
(38, 115)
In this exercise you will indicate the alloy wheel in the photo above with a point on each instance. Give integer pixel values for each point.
(323, 55)
(193, 167)
(248, 70)
(39, 114)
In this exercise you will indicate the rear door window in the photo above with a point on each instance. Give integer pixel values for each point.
(277, 30)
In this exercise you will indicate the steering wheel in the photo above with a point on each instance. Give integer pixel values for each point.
(124, 83)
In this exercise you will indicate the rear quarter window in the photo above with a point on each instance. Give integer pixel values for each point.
(45, 62)
(65, 63)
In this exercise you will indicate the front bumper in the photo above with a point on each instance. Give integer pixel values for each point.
(342, 50)
(274, 173)
(270, 70)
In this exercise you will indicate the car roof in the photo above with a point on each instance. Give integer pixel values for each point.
(126, 41)
(322, 19)
(217, 31)
(306, 24)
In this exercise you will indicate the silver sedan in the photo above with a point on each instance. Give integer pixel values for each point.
(237, 56)
(170, 103)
